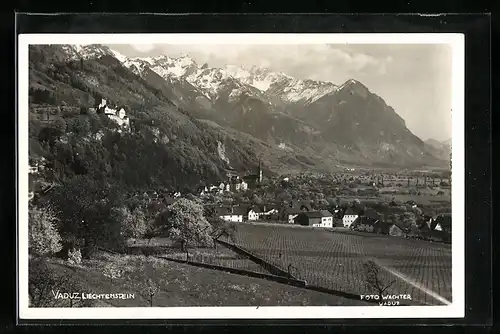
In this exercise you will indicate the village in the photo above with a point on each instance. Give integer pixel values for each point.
(407, 219)
(358, 187)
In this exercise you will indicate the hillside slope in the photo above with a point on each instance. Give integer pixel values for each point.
(165, 145)
(183, 114)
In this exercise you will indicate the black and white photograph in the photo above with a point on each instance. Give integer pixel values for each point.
(273, 175)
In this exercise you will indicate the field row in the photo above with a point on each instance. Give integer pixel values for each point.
(335, 260)
(220, 256)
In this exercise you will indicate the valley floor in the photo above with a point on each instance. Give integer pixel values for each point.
(334, 259)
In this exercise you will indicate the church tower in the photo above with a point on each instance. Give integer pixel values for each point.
(260, 172)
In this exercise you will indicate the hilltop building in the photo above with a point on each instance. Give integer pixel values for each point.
(118, 116)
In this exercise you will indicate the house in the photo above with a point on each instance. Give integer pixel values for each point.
(168, 200)
(314, 218)
(381, 227)
(289, 213)
(365, 224)
(349, 217)
(396, 230)
(327, 219)
(269, 210)
(237, 184)
(33, 169)
(231, 213)
(442, 223)
(254, 213)
(371, 213)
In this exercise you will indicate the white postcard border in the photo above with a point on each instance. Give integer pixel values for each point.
(455, 310)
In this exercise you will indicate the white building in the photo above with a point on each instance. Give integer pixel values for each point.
(120, 117)
(254, 214)
(270, 211)
(232, 214)
(33, 169)
(327, 219)
(349, 217)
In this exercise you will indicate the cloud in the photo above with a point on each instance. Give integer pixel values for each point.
(143, 47)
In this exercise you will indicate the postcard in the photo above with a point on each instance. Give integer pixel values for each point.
(240, 176)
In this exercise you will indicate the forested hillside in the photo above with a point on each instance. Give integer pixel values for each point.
(163, 147)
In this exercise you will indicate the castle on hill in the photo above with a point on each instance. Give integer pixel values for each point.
(118, 116)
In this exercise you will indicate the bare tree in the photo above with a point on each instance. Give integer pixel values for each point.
(150, 291)
(373, 280)
(148, 282)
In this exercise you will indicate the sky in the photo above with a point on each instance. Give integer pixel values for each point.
(414, 79)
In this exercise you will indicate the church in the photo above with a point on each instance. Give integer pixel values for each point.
(253, 180)
(250, 181)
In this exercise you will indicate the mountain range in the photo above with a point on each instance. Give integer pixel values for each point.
(259, 114)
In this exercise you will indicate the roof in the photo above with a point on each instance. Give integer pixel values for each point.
(350, 211)
(366, 221)
(315, 214)
(383, 226)
(223, 210)
(255, 208)
(292, 210)
(269, 207)
(372, 213)
(398, 225)
(443, 219)
(251, 177)
(168, 200)
(326, 213)
(240, 210)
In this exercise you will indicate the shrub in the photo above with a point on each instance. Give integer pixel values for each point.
(44, 238)
(74, 256)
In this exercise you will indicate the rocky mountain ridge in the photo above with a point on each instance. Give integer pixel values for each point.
(346, 123)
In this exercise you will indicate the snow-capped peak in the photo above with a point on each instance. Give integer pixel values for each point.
(349, 83)
(258, 77)
(278, 83)
(166, 66)
(79, 51)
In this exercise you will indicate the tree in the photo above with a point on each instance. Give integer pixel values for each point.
(417, 211)
(221, 228)
(147, 281)
(79, 126)
(52, 132)
(88, 210)
(409, 219)
(373, 280)
(44, 238)
(134, 224)
(183, 222)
